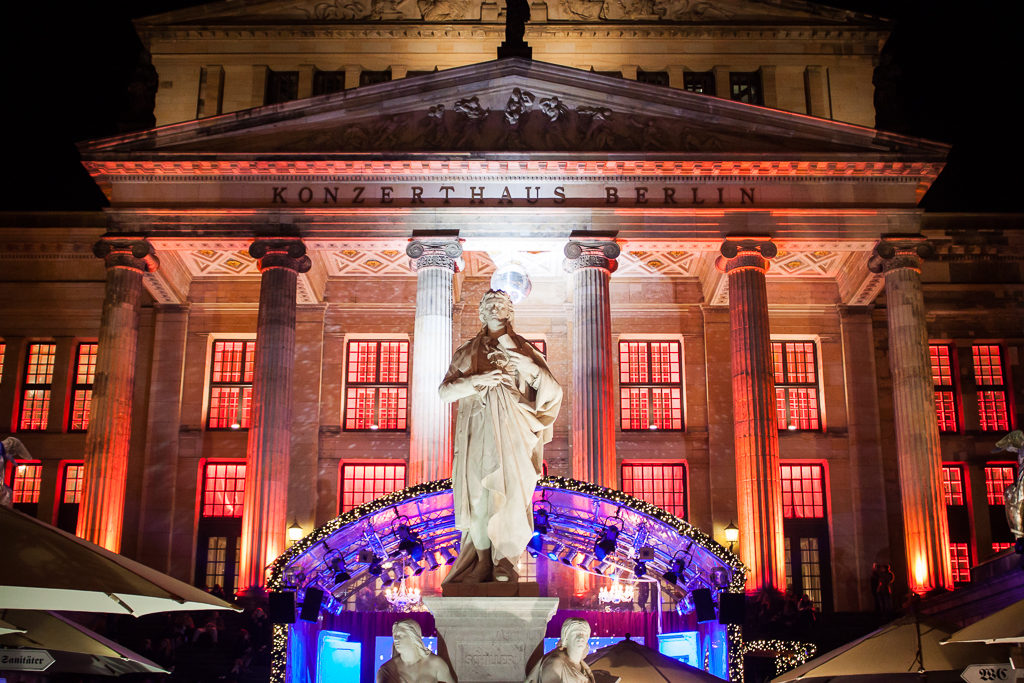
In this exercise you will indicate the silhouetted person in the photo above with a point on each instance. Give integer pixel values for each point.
(881, 587)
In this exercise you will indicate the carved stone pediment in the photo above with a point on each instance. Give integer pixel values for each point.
(516, 106)
(325, 12)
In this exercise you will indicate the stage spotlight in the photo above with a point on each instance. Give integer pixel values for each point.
(432, 561)
(607, 541)
(540, 521)
(676, 571)
(449, 556)
(571, 558)
(409, 542)
(555, 551)
(685, 606)
(719, 577)
(640, 570)
(341, 574)
(418, 568)
(375, 567)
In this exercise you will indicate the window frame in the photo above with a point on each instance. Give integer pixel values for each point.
(951, 389)
(1002, 389)
(700, 82)
(682, 464)
(957, 504)
(402, 413)
(81, 423)
(796, 529)
(394, 462)
(46, 387)
(67, 511)
(752, 81)
(242, 408)
(625, 386)
(786, 386)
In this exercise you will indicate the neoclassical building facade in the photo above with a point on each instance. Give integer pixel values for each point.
(730, 275)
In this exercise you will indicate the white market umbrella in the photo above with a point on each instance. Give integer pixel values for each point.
(636, 663)
(74, 648)
(1003, 627)
(893, 650)
(44, 568)
(6, 627)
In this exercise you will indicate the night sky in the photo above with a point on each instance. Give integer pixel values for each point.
(950, 72)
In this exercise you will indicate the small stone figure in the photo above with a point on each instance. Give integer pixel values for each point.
(1013, 496)
(508, 402)
(413, 662)
(10, 449)
(517, 13)
(565, 663)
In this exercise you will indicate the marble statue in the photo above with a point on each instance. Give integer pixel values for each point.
(413, 662)
(508, 401)
(565, 663)
(1013, 497)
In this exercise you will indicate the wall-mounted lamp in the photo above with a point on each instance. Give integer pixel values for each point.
(295, 532)
(732, 534)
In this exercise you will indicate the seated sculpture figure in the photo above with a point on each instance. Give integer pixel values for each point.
(413, 661)
(1013, 497)
(565, 663)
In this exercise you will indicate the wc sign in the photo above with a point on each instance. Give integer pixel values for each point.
(990, 673)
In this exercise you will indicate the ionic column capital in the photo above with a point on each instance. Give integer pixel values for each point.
(748, 252)
(905, 251)
(434, 253)
(280, 252)
(591, 254)
(134, 253)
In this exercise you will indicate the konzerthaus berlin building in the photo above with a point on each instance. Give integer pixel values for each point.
(752, 319)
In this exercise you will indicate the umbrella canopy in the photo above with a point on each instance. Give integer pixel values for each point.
(1005, 626)
(635, 663)
(6, 628)
(46, 568)
(893, 649)
(74, 648)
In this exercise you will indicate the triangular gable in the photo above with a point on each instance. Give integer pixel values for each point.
(517, 106)
(703, 12)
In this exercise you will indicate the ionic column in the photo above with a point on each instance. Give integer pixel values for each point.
(756, 434)
(267, 454)
(593, 376)
(430, 421)
(925, 526)
(110, 415)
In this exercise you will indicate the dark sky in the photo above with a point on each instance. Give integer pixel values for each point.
(950, 72)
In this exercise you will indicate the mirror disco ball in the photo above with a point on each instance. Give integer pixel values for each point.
(514, 280)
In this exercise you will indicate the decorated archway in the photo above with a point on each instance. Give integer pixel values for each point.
(587, 527)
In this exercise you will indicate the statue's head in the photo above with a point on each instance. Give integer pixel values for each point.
(575, 637)
(498, 304)
(409, 640)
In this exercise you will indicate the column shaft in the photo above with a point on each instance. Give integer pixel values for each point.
(430, 442)
(109, 437)
(267, 455)
(593, 402)
(756, 436)
(917, 433)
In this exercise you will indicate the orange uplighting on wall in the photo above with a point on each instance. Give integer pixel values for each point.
(922, 582)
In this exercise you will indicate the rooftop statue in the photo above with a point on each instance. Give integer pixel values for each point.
(508, 401)
(565, 663)
(1013, 497)
(413, 661)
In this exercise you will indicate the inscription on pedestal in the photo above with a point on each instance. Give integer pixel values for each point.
(492, 659)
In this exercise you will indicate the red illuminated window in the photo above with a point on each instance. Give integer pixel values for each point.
(997, 478)
(3, 351)
(540, 345)
(796, 385)
(35, 396)
(231, 372)
(81, 390)
(28, 478)
(953, 484)
(1000, 547)
(803, 491)
(71, 486)
(988, 375)
(960, 562)
(650, 379)
(223, 489)
(361, 483)
(377, 387)
(661, 484)
(945, 390)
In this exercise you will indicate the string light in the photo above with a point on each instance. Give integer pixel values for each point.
(788, 654)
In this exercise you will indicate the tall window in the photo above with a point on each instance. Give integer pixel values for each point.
(805, 530)
(997, 477)
(3, 351)
(652, 77)
(745, 86)
(377, 386)
(218, 541)
(701, 82)
(231, 372)
(796, 385)
(325, 82)
(650, 385)
(661, 484)
(374, 77)
(81, 390)
(282, 86)
(35, 395)
(959, 522)
(991, 383)
(362, 482)
(27, 482)
(69, 496)
(945, 389)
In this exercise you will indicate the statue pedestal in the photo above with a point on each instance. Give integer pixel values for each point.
(490, 640)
